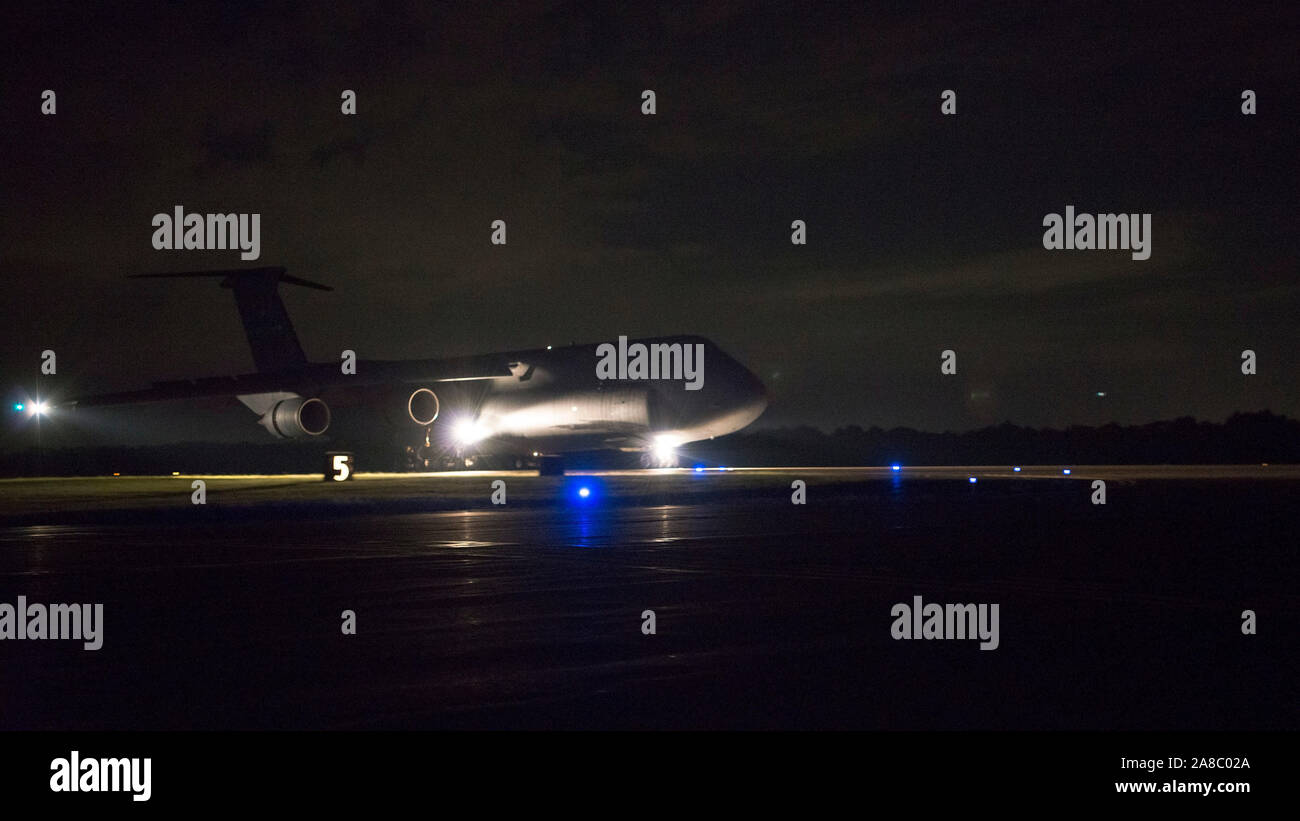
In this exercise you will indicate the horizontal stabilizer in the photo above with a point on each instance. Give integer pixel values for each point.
(236, 273)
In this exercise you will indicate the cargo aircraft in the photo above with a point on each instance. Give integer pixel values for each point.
(533, 406)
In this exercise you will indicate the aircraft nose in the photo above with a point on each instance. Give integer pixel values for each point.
(756, 397)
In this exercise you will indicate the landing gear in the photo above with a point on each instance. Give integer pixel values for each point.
(427, 454)
(551, 466)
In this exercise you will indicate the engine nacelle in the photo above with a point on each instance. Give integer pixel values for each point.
(422, 406)
(293, 418)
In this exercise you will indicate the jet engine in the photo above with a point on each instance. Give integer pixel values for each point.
(292, 418)
(422, 406)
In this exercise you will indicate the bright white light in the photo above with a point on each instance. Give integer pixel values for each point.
(40, 408)
(665, 449)
(468, 431)
(662, 451)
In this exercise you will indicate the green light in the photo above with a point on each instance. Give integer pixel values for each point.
(18, 407)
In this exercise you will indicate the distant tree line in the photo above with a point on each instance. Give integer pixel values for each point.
(1245, 438)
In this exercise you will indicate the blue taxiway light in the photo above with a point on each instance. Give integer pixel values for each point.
(895, 467)
(973, 480)
(1066, 471)
(584, 491)
(1016, 469)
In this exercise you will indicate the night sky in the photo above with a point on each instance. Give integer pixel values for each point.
(924, 231)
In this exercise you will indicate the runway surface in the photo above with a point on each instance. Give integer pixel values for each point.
(170, 498)
(768, 614)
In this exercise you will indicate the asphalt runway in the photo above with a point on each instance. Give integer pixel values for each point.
(768, 614)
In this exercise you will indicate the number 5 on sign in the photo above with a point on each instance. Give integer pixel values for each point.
(340, 467)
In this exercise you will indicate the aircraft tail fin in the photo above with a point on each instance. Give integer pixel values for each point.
(270, 334)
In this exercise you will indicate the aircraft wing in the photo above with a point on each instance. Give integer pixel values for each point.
(310, 379)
